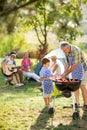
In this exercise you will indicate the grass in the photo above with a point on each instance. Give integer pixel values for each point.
(23, 109)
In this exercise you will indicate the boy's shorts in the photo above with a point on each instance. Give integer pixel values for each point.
(84, 80)
(46, 95)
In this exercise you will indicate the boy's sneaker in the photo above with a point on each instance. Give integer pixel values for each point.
(85, 108)
(51, 111)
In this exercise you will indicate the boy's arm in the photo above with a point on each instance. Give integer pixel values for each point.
(42, 79)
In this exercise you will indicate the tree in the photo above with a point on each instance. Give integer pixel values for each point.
(7, 7)
(59, 16)
(63, 18)
(39, 23)
(9, 11)
(66, 18)
(36, 19)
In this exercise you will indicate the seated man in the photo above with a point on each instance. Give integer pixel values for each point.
(7, 68)
(26, 64)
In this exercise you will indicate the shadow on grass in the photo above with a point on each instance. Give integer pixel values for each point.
(77, 124)
(27, 88)
(12, 94)
(44, 120)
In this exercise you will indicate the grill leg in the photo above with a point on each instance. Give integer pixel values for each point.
(73, 102)
(75, 110)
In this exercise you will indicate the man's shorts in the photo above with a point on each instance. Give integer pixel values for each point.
(84, 80)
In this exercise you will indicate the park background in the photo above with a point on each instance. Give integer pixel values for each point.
(38, 26)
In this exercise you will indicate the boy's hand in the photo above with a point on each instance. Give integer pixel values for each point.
(55, 77)
(50, 78)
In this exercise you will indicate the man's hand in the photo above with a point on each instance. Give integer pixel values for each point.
(55, 77)
(63, 76)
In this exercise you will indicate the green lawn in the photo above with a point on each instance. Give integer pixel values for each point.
(23, 109)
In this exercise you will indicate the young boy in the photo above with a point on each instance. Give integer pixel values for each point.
(47, 85)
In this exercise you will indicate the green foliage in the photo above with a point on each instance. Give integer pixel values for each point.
(60, 16)
(11, 42)
(65, 19)
(84, 1)
(37, 21)
(83, 47)
(21, 1)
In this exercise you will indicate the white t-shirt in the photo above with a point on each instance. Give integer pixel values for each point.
(10, 62)
(60, 69)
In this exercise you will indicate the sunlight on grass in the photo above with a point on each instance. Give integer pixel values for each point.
(23, 109)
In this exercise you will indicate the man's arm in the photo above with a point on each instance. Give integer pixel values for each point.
(68, 70)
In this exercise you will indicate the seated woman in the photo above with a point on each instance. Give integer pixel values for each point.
(10, 70)
(26, 64)
(56, 66)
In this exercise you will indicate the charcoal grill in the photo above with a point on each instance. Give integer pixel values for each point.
(69, 85)
(68, 89)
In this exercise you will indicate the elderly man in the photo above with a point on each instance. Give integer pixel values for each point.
(75, 65)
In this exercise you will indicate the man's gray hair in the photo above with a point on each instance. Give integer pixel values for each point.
(64, 44)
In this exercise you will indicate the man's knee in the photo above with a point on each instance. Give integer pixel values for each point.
(83, 87)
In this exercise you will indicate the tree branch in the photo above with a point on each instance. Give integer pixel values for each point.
(16, 7)
(36, 32)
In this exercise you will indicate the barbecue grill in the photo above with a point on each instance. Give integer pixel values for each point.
(68, 87)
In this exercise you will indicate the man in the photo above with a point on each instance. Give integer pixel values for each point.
(75, 65)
